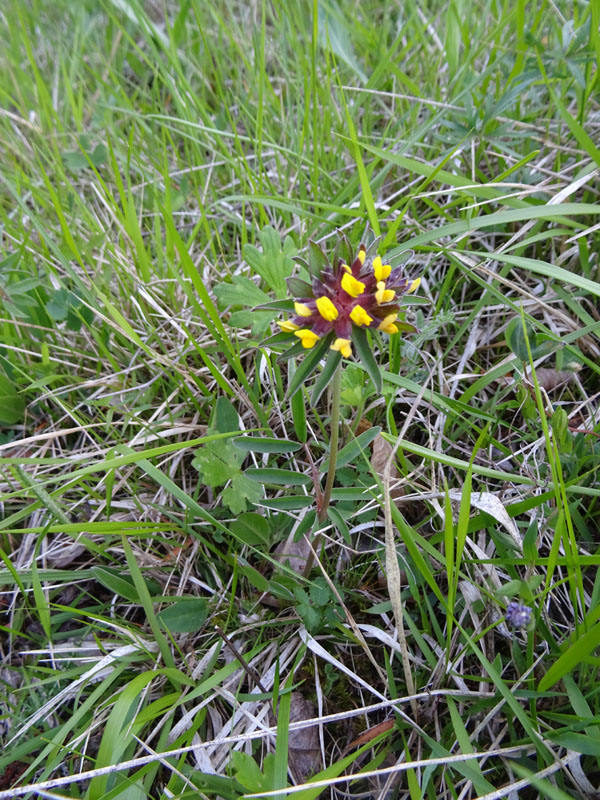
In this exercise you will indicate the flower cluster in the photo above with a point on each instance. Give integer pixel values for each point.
(360, 295)
(517, 615)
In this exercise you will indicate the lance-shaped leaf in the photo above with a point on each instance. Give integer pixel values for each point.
(277, 338)
(291, 502)
(278, 477)
(266, 444)
(353, 449)
(326, 375)
(405, 327)
(295, 350)
(316, 259)
(300, 288)
(343, 250)
(276, 305)
(308, 366)
(363, 348)
(372, 247)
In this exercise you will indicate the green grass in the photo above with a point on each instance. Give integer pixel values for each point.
(163, 163)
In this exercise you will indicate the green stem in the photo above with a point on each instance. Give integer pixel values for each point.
(336, 385)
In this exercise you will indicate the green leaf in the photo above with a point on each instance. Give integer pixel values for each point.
(543, 267)
(276, 305)
(115, 582)
(58, 305)
(363, 349)
(279, 477)
(316, 259)
(273, 265)
(308, 366)
(252, 529)
(226, 417)
(354, 448)
(217, 463)
(265, 444)
(76, 160)
(343, 251)
(299, 288)
(281, 338)
(298, 408)
(320, 593)
(577, 652)
(293, 351)
(187, 615)
(241, 492)
(326, 375)
(453, 39)
(356, 388)
(340, 523)
(560, 429)
(292, 502)
(258, 321)
(277, 259)
(247, 771)
(310, 616)
(240, 292)
(12, 405)
(336, 34)
(256, 578)
(515, 338)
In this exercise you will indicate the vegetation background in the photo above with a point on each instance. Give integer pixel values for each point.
(162, 163)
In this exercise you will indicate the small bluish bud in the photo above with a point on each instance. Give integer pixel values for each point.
(517, 615)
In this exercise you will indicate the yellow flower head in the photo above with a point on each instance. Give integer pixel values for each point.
(307, 337)
(351, 286)
(287, 326)
(344, 346)
(357, 291)
(302, 310)
(326, 309)
(360, 317)
(382, 271)
(383, 295)
(387, 324)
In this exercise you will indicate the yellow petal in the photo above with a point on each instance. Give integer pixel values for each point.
(382, 271)
(360, 317)
(383, 295)
(307, 337)
(326, 309)
(351, 286)
(302, 310)
(287, 325)
(387, 324)
(361, 255)
(414, 286)
(344, 346)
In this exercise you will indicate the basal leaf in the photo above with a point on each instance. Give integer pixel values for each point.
(187, 615)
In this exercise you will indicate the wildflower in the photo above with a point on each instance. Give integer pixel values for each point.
(517, 615)
(346, 297)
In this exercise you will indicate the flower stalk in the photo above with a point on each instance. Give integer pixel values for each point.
(325, 499)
